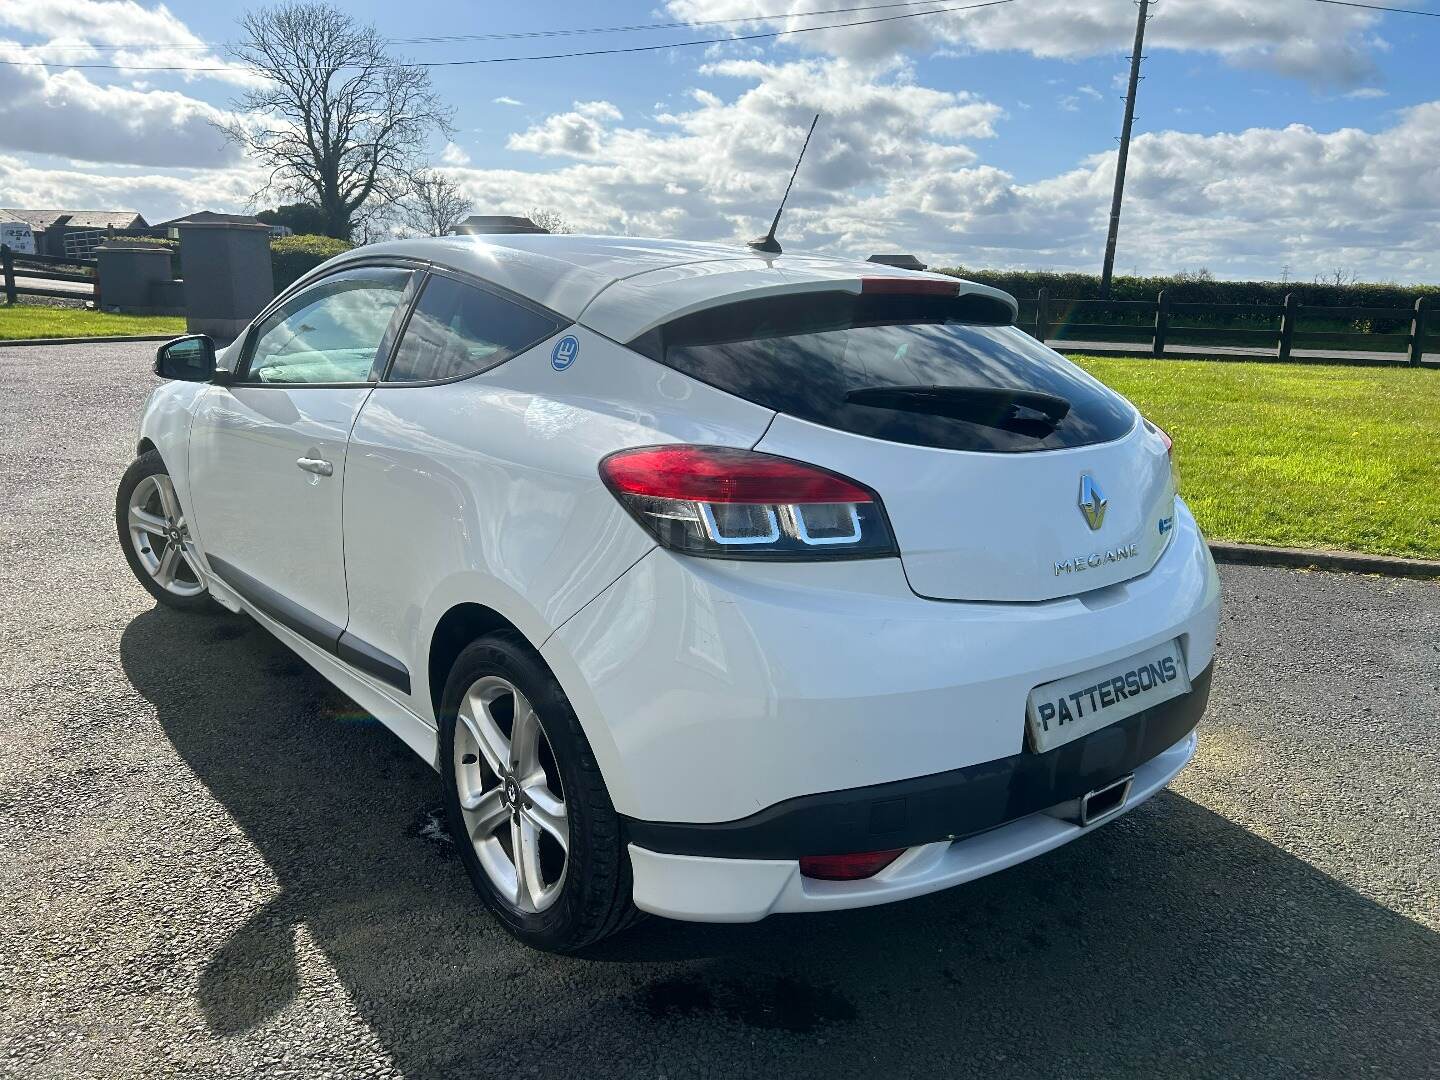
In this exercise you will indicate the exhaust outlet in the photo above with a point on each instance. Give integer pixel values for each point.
(1099, 804)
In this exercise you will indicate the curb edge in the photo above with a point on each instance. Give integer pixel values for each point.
(1346, 561)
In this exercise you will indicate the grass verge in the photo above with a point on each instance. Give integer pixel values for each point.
(20, 321)
(1298, 455)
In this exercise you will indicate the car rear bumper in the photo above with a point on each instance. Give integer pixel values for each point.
(946, 806)
(711, 691)
(706, 888)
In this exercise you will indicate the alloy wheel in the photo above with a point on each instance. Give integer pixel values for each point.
(511, 796)
(160, 536)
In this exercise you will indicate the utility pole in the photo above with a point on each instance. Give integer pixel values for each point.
(1110, 240)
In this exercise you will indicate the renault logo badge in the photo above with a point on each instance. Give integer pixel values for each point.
(1092, 502)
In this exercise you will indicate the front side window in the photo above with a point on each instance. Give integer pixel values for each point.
(457, 330)
(330, 332)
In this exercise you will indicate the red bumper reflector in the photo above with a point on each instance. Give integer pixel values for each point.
(862, 864)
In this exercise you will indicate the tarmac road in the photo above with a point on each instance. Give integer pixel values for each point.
(212, 865)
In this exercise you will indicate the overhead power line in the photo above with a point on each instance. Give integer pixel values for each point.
(576, 31)
(517, 35)
(520, 35)
(719, 40)
(1378, 7)
(565, 55)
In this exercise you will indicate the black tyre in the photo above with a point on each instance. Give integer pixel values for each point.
(526, 804)
(155, 536)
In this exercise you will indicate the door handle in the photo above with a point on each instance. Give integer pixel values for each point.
(315, 465)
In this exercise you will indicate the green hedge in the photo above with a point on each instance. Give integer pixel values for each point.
(292, 257)
(1187, 289)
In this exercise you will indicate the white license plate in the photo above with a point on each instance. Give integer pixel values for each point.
(1066, 709)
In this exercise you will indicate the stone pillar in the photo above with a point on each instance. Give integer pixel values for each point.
(130, 277)
(227, 276)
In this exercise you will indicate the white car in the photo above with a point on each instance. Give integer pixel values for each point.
(714, 583)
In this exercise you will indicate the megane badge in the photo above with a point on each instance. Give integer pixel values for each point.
(1092, 502)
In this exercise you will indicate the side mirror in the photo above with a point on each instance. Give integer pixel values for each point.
(189, 359)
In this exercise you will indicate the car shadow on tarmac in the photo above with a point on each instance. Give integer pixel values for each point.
(1172, 941)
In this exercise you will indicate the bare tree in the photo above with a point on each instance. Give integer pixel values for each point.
(434, 206)
(550, 220)
(338, 121)
(1340, 276)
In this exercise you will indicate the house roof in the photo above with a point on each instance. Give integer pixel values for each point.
(624, 285)
(209, 217)
(85, 219)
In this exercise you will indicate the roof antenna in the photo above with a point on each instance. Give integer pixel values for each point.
(768, 243)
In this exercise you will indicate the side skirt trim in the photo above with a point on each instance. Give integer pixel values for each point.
(318, 631)
(279, 607)
(364, 656)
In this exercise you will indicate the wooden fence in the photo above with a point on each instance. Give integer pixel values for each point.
(35, 266)
(1157, 322)
(1154, 322)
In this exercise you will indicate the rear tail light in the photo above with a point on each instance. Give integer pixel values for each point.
(726, 503)
(863, 864)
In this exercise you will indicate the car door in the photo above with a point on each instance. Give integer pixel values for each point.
(267, 451)
(429, 481)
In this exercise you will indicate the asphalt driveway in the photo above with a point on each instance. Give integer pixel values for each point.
(212, 865)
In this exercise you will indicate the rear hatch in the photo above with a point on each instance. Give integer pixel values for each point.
(1008, 473)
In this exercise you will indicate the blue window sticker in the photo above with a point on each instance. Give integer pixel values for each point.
(566, 351)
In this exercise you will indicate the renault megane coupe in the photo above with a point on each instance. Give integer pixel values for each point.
(715, 583)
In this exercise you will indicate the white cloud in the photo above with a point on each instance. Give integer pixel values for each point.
(1243, 204)
(1269, 196)
(578, 133)
(1367, 93)
(153, 36)
(598, 110)
(454, 155)
(573, 134)
(158, 197)
(504, 100)
(1318, 43)
(67, 115)
(894, 166)
(1083, 95)
(715, 169)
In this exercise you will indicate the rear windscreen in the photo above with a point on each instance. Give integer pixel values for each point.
(936, 375)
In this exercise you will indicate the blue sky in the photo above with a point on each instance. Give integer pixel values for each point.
(1273, 133)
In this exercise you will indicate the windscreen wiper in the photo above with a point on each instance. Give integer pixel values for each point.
(1027, 412)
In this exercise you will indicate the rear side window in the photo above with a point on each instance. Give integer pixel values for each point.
(457, 329)
(920, 369)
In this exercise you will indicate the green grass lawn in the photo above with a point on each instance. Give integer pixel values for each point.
(1298, 455)
(24, 321)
